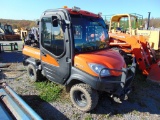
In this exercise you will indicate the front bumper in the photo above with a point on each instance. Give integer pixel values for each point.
(114, 85)
(121, 85)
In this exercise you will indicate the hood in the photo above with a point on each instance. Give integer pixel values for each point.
(108, 58)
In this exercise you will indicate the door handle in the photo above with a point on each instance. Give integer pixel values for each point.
(43, 54)
(68, 60)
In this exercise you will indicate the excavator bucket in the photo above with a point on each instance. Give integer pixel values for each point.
(154, 74)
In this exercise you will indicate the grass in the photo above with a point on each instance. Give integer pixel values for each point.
(18, 79)
(76, 116)
(135, 112)
(49, 91)
(89, 117)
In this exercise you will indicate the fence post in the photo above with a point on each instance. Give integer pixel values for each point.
(15, 46)
(11, 44)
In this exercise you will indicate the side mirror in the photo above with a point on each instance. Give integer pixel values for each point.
(54, 21)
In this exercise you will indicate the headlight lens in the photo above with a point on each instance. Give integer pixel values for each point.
(97, 68)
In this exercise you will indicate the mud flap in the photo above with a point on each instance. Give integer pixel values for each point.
(154, 74)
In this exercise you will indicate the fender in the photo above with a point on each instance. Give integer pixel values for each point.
(34, 62)
(80, 76)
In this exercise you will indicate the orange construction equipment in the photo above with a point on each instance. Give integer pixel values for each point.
(123, 35)
(72, 49)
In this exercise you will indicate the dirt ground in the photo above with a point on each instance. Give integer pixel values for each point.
(143, 102)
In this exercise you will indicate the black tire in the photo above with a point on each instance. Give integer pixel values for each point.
(34, 75)
(128, 59)
(84, 97)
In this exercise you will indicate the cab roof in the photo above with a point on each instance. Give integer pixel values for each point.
(83, 12)
(117, 17)
(75, 11)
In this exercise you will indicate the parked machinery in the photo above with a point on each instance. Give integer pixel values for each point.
(74, 52)
(7, 33)
(125, 32)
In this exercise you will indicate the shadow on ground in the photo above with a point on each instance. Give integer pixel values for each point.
(144, 98)
(11, 57)
(2, 76)
(43, 109)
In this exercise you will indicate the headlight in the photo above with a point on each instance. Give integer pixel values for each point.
(97, 68)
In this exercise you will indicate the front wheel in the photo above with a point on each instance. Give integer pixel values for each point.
(33, 74)
(84, 97)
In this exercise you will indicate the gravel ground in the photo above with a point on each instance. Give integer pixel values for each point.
(143, 102)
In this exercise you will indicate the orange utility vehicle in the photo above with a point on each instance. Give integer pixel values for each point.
(74, 52)
(124, 33)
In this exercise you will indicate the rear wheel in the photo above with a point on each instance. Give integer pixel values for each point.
(33, 74)
(84, 97)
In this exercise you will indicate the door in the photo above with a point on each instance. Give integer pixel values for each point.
(55, 49)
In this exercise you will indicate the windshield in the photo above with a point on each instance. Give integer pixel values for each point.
(90, 33)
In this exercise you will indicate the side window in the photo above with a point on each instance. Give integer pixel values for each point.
(52, 37)
(77, 29)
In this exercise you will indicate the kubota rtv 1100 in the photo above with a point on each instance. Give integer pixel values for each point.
(72, 50)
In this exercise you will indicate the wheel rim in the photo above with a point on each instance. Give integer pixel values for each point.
(31, 73)
(80, 99)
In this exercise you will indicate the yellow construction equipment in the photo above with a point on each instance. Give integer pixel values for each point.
(126, 33)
